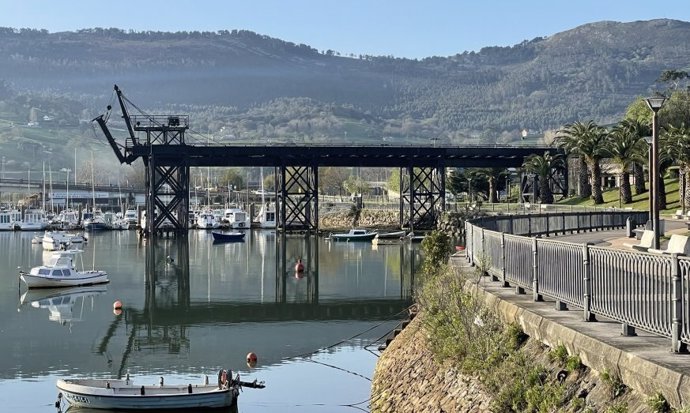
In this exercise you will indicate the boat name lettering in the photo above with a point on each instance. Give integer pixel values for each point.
(77, 399)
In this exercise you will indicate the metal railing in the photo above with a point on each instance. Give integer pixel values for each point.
(639, 290)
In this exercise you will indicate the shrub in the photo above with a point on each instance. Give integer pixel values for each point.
(658, 403)
(613, 382)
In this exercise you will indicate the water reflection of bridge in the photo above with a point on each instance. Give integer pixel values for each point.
(171, 309)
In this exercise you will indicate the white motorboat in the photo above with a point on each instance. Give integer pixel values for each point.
(354, 235)
(9, 219)
(60, 272)
(34, 219)
(125, 394)
(237, 218)
(68, 219)
(267, 216)
(60, 240)
(131, 217)
(206, 220)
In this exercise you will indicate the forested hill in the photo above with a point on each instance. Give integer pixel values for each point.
(590, 72)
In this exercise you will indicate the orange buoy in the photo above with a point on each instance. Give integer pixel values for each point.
(299, 267)
(117, 305)
(251, 358)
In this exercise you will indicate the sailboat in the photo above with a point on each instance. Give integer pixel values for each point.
(267, 214)
(95, 220)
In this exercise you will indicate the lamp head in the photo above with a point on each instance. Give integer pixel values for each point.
(655, 103)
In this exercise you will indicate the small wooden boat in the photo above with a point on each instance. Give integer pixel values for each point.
(390, 235)
(60, 272)
(354, 235)
(227, 236)
(388, 238)
(125, 394)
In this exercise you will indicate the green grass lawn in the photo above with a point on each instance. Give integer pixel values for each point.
(640, 202)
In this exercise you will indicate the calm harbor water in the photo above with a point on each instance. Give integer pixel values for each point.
(203, 309)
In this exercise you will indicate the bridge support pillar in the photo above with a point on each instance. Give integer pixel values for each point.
(298, 200)
(167, 197)
(422, 196)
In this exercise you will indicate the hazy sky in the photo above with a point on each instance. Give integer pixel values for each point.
(402, 28)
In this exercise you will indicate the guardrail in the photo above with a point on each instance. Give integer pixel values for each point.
(638, 289)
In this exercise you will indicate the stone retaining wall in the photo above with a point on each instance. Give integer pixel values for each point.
(408, 379)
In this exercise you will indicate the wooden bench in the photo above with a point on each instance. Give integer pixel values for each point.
(646, 242)
(677, 244)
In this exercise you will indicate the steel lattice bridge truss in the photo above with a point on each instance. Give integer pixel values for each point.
(159, 140)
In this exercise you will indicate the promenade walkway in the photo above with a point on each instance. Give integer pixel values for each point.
(616, 238)
(644, 362)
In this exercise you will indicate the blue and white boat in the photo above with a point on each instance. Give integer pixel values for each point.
(95, 221)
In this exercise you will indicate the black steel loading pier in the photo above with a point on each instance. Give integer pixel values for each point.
(159, 140)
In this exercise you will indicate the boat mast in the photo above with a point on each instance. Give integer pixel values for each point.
(93, 186)
(50, 177)
(43, 197)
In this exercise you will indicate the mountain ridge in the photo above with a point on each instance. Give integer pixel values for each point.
(592, 71)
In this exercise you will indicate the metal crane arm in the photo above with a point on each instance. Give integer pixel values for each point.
(116, 148)
(125, 114)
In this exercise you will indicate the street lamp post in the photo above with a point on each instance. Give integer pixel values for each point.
(67, 186)
(508, 189)
(655, 103)
(469, 190)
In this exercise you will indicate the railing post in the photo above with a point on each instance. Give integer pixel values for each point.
(677, 346)
(510, 225)
(587, 298)
(503, 259)
(469, 235)
(482, 253)
(563, 222)
(535, 271)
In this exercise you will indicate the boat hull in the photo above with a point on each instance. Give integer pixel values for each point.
(351, 238)
(228, 237)
(94, 394)
(96, 226)
(391, 235)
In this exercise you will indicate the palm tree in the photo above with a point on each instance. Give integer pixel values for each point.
(542, 166)
(492, 175)
(625, 147)
(675, 147)
(641, 130)
(587, 141)
(568, 138)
